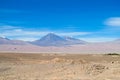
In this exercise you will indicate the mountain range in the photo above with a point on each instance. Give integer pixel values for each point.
(50, 39)
(52, 43)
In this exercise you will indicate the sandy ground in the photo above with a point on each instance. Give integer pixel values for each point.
(14, 66)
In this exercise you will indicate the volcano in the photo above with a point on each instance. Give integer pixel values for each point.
(52, 39)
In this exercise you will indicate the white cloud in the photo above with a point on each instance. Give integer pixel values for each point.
(26, 38)
(18, 30)
(7, 27)
(74, 33)
(15, 32)
(113, 21)
(98, 39)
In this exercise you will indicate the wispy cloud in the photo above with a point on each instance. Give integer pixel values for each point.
(17, 32)
(7, 27)
(113, 22)
(74, 33)
(22, 34)
(112, 26)
(99, 39)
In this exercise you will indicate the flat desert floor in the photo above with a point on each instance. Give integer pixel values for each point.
(16, 66)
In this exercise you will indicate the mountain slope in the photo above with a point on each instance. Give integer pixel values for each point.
(71, 40)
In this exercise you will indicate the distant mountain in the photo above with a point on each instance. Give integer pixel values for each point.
(13, 42)
(4, 40)
(47, 40)
(50, 40)
(55, 40)
(117, 40)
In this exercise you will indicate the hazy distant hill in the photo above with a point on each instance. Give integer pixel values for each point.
(117, 40)
(13, 42)
(55, 40)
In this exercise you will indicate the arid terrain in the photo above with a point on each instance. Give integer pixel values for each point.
(16, 66)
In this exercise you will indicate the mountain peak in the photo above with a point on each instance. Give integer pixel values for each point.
(51, 37)
(51, 33)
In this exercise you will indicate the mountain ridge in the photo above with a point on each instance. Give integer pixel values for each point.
(51, 39)
(64, 45)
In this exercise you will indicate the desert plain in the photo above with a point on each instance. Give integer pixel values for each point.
(47, 66)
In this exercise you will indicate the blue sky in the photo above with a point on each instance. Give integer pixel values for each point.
(90, 20)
